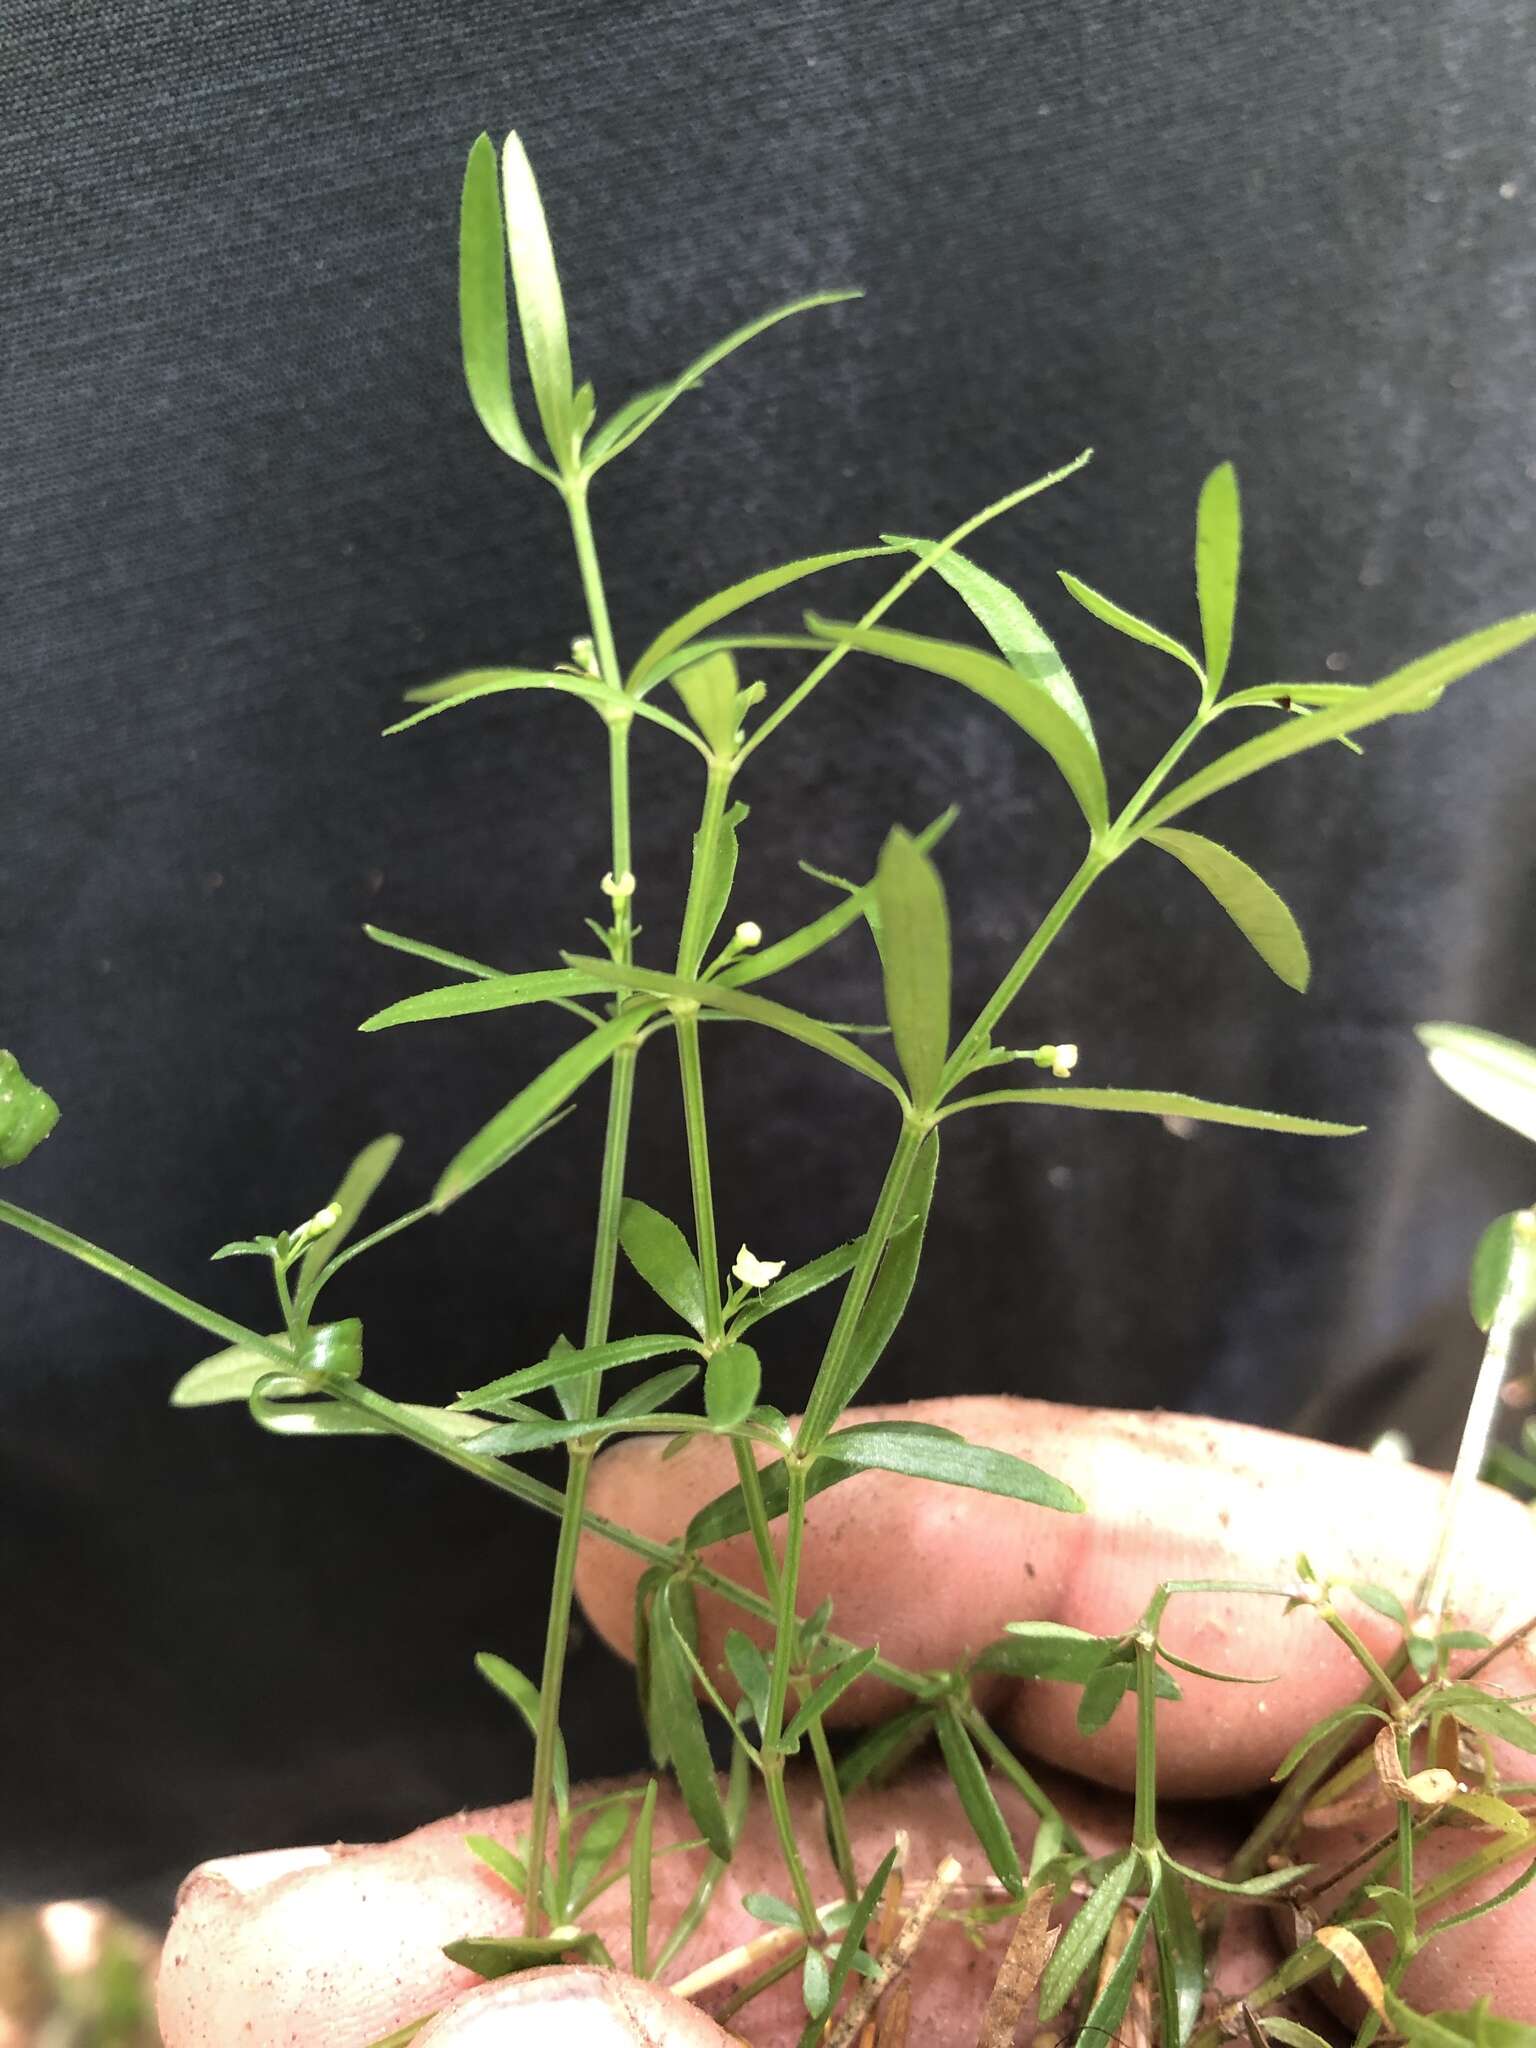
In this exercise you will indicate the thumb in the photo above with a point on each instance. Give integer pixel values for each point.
(572, 2007)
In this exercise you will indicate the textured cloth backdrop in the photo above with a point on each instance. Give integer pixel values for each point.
(246, 503)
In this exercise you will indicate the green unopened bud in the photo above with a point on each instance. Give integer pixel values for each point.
(27, 1113)
(323, 1220)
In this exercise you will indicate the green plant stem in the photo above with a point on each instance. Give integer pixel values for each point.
(1144, 1821)
(836, 1812)
(900, 587)
(1363, 1658)
(605, 1250)
(992, 1011)
(1021, 1780)
(1119, 833)
(142, 1283)
(786, 1625)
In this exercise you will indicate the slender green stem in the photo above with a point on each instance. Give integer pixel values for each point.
(997, 1004)
(1363, 1657)
(837, 1814)
(899, 588)
(1021, 1780)
(1120, 830)
(691, 1068)
(142, 1283)
(308, 1295)
(828, 1397)
(786, 1626)
(605, 1250)
(1144, 1821)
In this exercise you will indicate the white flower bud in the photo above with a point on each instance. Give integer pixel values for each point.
(752, 1271)
(749, 934)
(1064, 1061)
(619, 891)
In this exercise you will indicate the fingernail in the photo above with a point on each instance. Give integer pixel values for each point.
(247, 1874)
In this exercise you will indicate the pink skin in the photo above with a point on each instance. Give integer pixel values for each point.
(341, 1946)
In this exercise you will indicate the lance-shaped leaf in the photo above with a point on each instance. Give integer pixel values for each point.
(849, 1949)
(540, 306)
(1218, 555)
(1085, 1935)
(418, 949)
(682, 1726)
(1180, 1958)
(638, 413)
(727, 643)
(640, 1883)
(726, 1515)
(978, 1799)
(229, 1375)
(795, 1286)
(1496, 1075)
(914, 924)
(1111, 614)
(664, 1259)
(1259, 913)
(520, 1690)
(713, 995)
(529, 1111)
(719, 877)
(1406, 689)
(1107, 2013)
(1021, 640)
(810, 938)
(749, 1668)
(566, 1364)
(1157, 1102)
(358, 1185)
(887, 1303)
(1031, 707)
(828, 1690)
(1103, 1690)
(473, 684)
(1494, 1264)
(501, 1955)
(27, 1113)
(490, 992)
(646, 672)
(731, 1382)
(652, 1394)
(950, 1460)
(709, 689)
(483, 307)
(1047, 1649)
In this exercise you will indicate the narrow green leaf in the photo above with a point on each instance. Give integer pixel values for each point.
(1290, 2033)
(886, 1447)
(815, 1985)
(1218, 556)
(420, 950)
(882, 1748)
(229, 1375)
(652, 1394)
(716, 885)
(1339, 1718)
(1157, 1102)
(1103, 1690)
(726, 1515)
(510, 1868)
(1497, 1717)
(827, 1692)
(528, 1113)
(749, 1668)
(1382, 1600)
(540, 306)
(359, 1184)
(683, 1726)
(810, 938)
(770, 1909)
(1407, 689)
(640, 1883)
(1108, 2010)
(1021, 640)
(1264, 1886)
(565, 1364)
(728, 643)
(520, 1690)
(915, 955)
(476, 998)
(977, 1798)
(851, 1944)
(1112, 614)
(1047, 1649)
(605, 1829)
(483, 306)
(27, 1113)
(610, 704)
(642, 412)
(1496, 1075)
(1031, 707)
(881, 1314)
(271, 1406)
(731, 1382)
(1180, 1959)
(1085, 1934)
(714, 995)
(664, 1259)
(501, 1955)
(1253, 906)
(708, 690)
(644, 675)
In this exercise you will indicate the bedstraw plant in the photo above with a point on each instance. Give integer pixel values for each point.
(784, 1668)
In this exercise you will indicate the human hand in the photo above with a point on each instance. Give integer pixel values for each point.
(334, 1948)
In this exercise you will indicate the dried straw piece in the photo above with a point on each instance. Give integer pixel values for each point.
(913, 1928)
(1022, 1967)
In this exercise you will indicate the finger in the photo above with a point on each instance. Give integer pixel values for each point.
(932, 1573)
(344, 1945)
(569, 2007)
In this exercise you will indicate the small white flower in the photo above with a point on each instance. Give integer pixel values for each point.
(621, 889)
(749, 934)
(1064, 1061)
(752, 1271)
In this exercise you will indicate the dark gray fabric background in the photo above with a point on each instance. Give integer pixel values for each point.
(246, 503)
